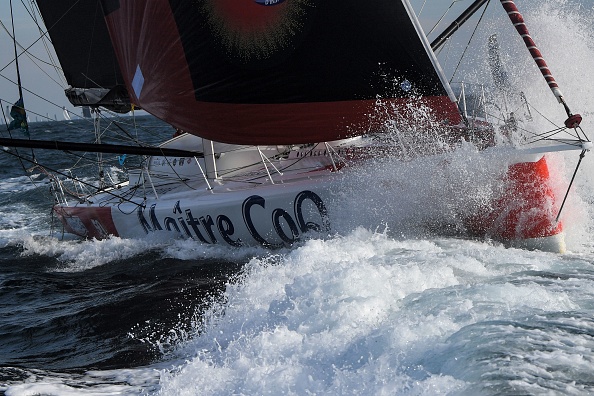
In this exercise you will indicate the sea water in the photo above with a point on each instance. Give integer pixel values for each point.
(369, 312)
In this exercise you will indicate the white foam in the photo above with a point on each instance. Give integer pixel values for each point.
(355, 315)
(114, 382)
(79, 255)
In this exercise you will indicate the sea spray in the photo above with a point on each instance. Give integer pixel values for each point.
(361, 314)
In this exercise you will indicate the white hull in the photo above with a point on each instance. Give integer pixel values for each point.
(244, 208)
(269, 215)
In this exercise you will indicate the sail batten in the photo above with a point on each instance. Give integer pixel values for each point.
(296, 72)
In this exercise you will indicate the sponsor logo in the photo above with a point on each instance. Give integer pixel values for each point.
(219, 227)
(268, 2)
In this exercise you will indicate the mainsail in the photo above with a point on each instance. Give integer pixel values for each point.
(295, 71)
(81, 41)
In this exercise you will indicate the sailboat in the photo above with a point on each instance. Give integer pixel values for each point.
(66, 114)
(273, 103)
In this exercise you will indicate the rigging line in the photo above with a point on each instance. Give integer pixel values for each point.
(184, 181)
(545, 133)
(16, 55)
(24, 51)
(21, 99)
(547, 138)
(34, 19)
(553, 131)
(117, 125)
(229, 170)
(276, 157)
(543, 136)
(43, 35)
(562, 141)
(582, 154)
(543, 116)
(35, 11)
(34, 94)
(302, 158)
(422, 7)
(82, 157)
(443, 16)
(53, 177)
(111, 122)
(33, 59)
(548, 134)
(470, 39)
(122, 122)
(90, 79)
(71, 178)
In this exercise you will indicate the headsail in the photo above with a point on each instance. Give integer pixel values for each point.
(81, 41)
(254, 72)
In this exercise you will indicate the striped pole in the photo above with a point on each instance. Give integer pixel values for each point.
(518, 21)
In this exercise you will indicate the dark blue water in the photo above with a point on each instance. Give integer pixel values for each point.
(83, 320)
(60, 313)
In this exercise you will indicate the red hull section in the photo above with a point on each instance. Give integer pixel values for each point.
(87, 222)
(526, 209)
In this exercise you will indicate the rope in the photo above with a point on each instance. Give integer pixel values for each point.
(469, 40)
(582, 154)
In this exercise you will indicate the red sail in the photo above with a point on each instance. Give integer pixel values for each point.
(253, 72)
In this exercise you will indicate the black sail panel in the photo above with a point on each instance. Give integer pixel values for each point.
(255, 72)
(81, 40)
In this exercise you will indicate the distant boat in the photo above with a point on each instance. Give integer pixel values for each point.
(66, 114)
(272, 103)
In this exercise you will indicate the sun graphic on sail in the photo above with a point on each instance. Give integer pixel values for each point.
(256, 30)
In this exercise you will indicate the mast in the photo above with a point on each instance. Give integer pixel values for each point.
(209, 159)
(429, 50)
